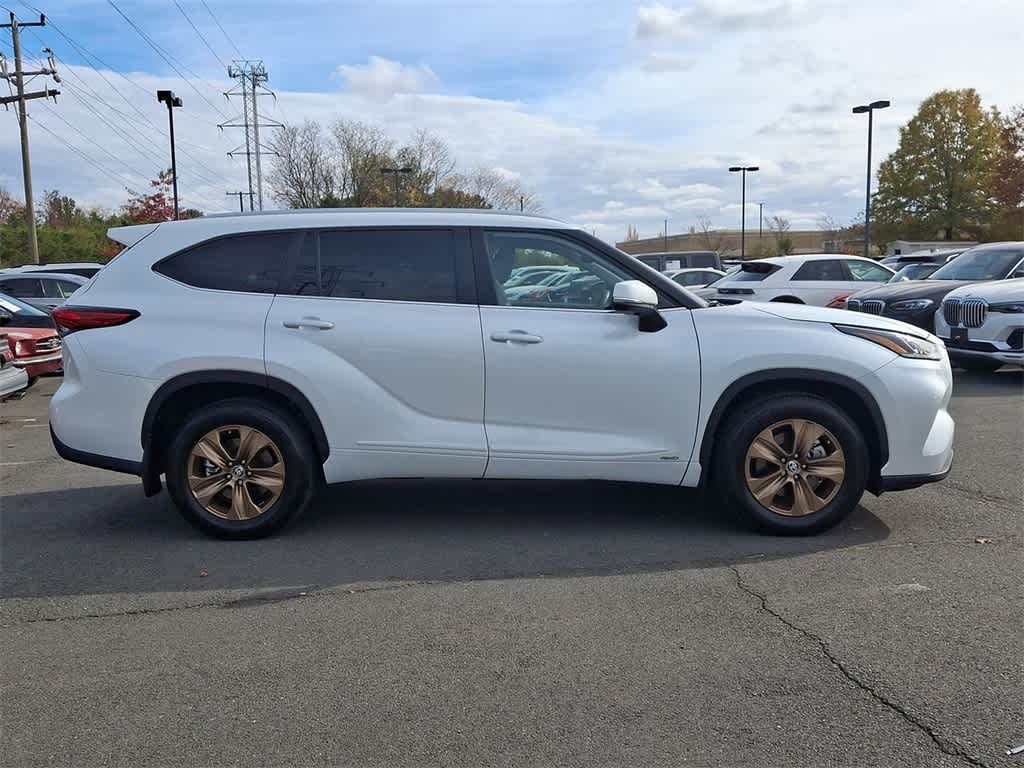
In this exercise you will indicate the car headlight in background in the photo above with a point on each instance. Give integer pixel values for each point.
(911, 305)
(1014, 307)
(903, 344)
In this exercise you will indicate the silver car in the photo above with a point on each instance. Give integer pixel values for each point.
(45, 290)
(12, 378)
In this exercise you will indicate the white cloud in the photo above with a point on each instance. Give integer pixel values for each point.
(668, 62)
(382, 78)
(659, 21)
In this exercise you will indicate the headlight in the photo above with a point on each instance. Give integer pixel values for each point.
(1012, 308)
(911, 305)
(902, 344)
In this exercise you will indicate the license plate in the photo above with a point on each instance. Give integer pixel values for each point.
(959, 335)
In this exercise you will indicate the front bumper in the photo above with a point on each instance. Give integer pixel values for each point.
(37, 365)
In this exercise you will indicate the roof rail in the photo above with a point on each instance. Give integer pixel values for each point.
(283, 211)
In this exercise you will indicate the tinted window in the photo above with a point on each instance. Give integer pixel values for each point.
(821, 270)
(913, 272)
(248, 263)
(753, 272)
(861, 270)
(693, 278)
(980, 264)
(702, 260)
(25, 287)
(397, 265)
(651, 261)
(587, 286)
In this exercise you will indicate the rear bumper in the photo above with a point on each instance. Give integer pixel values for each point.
(112, 463)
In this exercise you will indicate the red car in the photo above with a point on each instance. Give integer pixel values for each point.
(32, 337)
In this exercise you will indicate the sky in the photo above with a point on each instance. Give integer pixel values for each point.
(615, 113)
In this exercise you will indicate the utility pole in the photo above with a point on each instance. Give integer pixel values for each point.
(241, 208)
(19, 79)
(251, 76)
(666, 236)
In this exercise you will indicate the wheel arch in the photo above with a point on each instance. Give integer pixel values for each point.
(177, 396)
(848, 394)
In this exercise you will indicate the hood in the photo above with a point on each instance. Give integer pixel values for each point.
(996, 291)
(807, 313)
(20, 334)
(911, 289)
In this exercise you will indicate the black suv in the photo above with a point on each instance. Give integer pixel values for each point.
(915, 301)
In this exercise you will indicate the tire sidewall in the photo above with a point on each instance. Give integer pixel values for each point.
(746, 425)
(295, 450)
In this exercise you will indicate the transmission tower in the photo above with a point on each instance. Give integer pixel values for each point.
(251, 76)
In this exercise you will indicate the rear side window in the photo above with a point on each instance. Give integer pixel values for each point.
(389, 264)
(702, 260)
(754, 272)
(822, 270)
(22, 287)
(248, 263)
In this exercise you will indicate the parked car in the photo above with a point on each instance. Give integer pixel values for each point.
(922, 257)
(25, 315)
(695, 278)
(982, 324)
(534, 275)
(43, 289)
(811, 279)
(36, 350)
(12, 378)
(84, 269)
(917, 271)
(915, 302)
(665, 262)
(377, 343)
(539, 287)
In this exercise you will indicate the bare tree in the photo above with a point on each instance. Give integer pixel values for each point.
(499, 191)
(632, 234)
(359, 152)
(301, 173)
(710, 238)
(780, 226)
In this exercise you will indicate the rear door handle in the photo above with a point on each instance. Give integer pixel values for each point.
(309, 322)
(516, 337)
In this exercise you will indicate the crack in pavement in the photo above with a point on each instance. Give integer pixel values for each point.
(946, 745)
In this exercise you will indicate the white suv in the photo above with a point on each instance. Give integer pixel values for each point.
(249, 359)
(982, 324)
(819, 279)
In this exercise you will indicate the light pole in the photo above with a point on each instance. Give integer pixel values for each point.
(172, 101)
(395, 172)
(870, 109)
(760, 216)
(743, 215)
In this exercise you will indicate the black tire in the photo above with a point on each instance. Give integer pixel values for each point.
(977, 365)
(289, 439)
(736, 436)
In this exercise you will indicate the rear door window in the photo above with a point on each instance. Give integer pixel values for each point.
(382, 264)
(822, 270)
(22, 287)
(249, 263)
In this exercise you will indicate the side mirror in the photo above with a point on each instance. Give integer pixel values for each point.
(5, 316)
(638, 299)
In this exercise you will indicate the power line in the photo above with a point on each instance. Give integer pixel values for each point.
(166, 56)
(223, 31)
(200, 34)
(82, 135)
(96, 164)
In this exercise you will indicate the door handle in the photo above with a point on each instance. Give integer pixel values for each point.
(516, 337)
(309, 322)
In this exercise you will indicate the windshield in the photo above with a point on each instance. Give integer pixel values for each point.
(913, 272)
(980, 264)
(12, 304)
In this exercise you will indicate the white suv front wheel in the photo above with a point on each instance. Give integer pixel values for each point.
(792, 463)
(240, 468)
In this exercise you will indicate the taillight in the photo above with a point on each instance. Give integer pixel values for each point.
(839, 302)
(71, 319)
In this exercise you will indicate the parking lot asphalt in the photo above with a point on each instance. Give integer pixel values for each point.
(421, 623)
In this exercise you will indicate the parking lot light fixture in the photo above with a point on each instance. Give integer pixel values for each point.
(394, 172)
(172, 101)
(743, 169)
(860, 110)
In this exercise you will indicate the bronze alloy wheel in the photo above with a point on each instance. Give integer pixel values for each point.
(794, 467)
(236, 472)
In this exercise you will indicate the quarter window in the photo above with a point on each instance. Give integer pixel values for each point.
(248, 263)
(585, 278)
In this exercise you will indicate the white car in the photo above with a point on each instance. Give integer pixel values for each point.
(818, 279)
(982, 324)
(81, 268)
(695, 277)
(250, 359)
